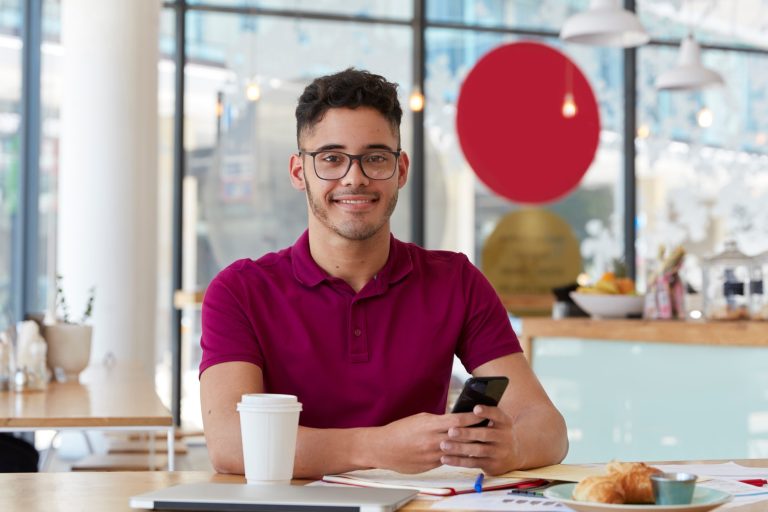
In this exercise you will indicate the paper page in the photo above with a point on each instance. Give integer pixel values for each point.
(742, 493)
(500, 500)
(442, 477)
(564, 472)
(725, 471)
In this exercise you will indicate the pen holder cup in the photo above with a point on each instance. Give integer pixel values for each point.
(673, 488)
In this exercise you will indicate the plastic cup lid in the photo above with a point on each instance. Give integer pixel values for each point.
(268, 399)
(269, 402)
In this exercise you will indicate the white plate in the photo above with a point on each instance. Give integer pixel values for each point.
(704, 499)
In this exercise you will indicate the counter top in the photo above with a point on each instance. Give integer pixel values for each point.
(739, 333)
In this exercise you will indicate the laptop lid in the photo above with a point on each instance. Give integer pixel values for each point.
(273, 498)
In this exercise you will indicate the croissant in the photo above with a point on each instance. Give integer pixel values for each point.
(635, 479)
(603, 489)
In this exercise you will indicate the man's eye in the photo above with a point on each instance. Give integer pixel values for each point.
(376, 158)
(331, 159)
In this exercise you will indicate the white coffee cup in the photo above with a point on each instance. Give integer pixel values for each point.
(269, 424)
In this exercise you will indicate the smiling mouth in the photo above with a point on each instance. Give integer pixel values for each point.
(355, 201)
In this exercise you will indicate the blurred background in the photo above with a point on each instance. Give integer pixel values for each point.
(203, 104)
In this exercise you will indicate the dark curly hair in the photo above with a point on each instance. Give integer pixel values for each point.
(351, 88)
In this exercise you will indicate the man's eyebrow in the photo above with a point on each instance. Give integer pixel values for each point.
(328, 147)
(331, 147)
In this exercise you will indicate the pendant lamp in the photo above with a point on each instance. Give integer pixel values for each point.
(605, 23)
(690, 73)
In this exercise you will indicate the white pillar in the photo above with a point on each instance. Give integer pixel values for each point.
(107, 232)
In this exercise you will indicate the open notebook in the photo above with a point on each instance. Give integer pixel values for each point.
(442, 481)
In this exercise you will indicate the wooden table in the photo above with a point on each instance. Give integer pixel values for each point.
(741, 333)
(117, 397)
(61, 492)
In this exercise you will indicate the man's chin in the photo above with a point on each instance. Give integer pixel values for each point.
(357, 233)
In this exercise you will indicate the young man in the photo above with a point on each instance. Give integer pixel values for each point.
(362, 327)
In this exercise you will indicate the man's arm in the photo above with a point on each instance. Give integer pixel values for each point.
(409, 445)
(526, 429)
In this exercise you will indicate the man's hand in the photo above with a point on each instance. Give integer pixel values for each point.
(413, 444)
(525, 430)
(491, 448)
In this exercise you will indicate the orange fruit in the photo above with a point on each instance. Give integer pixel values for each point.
(625, 285)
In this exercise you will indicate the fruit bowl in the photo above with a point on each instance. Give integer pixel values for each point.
(600, 305)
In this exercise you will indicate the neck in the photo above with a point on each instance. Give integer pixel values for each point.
(354, 261)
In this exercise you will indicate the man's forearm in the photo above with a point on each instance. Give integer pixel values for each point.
(327, 451)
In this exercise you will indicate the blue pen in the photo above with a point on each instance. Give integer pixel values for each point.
(479, 482)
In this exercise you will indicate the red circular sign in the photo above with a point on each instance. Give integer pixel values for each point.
(514, 130)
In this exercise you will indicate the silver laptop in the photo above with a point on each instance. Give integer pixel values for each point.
(278, 498)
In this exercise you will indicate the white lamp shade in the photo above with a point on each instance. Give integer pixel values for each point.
(605, 24)
(689, 73)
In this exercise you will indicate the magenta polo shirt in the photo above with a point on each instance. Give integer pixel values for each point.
(356, 359)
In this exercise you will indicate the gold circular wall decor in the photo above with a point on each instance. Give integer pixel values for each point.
(530, 252)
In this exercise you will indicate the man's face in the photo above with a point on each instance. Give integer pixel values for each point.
(354, 207)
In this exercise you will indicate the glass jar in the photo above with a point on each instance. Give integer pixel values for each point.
(725, 284)
(758, 300)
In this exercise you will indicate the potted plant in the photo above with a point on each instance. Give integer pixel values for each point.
(69, 341)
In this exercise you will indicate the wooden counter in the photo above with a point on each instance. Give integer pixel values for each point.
(741, 333)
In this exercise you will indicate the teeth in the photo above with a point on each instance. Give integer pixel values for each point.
(353, 201)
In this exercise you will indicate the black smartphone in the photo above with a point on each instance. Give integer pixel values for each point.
(480, 391)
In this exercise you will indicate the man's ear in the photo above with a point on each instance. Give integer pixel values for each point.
(403, 164)
(296, 170)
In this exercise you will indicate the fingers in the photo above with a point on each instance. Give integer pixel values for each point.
(458, 420)
(479, 450)
(494, 414)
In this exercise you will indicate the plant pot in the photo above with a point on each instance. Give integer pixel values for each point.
(69, 348)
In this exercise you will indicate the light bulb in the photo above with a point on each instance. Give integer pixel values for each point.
(704, 117)
(569, 106)
(219, 108)
(253, 92)
(416, 101)
(643, 131)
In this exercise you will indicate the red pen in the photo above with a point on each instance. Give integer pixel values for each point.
(757, 482)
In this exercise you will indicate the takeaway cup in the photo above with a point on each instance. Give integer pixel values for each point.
(269, 423)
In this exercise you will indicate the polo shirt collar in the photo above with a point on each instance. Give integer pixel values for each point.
(309, 273)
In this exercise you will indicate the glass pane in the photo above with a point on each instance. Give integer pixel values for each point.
(594, 209)
(244, 77)
(734, 23)
(50, 90)
(702, 158)
(10, 123)
(398, 9)
(546, 15)
(166, 110)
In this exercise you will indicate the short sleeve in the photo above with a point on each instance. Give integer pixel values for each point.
(227, 332)
(487, 333)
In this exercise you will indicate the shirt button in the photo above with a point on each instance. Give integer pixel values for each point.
(358, 332)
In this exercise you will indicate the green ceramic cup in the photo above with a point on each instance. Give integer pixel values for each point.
(673, 488)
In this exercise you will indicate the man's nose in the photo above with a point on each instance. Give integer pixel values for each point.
(355, 175)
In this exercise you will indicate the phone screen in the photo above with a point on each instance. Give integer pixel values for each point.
(480, 391)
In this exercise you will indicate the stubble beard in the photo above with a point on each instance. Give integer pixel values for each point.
(356, 230)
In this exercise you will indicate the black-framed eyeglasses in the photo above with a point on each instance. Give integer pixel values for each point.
(334, 165)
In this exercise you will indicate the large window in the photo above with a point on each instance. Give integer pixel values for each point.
(10, 166)
(243, 77)
(702, 155)
(469, 211)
